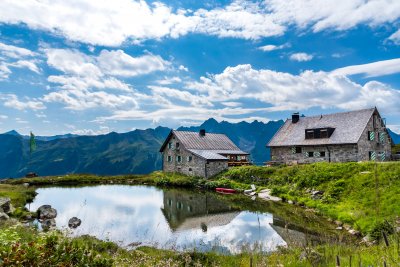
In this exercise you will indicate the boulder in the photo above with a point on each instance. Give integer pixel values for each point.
(354, 232)
(3, 216)
(46, 212)
(316, 194)
(5, 204)
(266, 195)
(48, 224)
(74, 222)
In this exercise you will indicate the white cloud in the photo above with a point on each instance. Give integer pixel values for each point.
(379, 68)
(86, 77)
(169, 80)
(3, 117)
(269, 48)
(395, 37)
(15, 51)
(120, 64)
(101, 130)
(111, 23)
(170, 93)
(15, 57)
(12, 101)
(301, 57)
(181, 67)
(285, 91)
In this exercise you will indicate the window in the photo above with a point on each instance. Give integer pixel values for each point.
(309, 154)
(298, 149)
(371, 136)
(324, 133)
(169, 159)
(179, 158)
(382, 137)
(372, 155)
(309, 134)
(322, 154)
(190, 169)
(177, 145)
(189, 158)
(169, 145)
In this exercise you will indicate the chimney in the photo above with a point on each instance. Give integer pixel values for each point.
(295, 117)
(202, 132)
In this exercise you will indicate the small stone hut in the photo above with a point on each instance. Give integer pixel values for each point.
(359, 135)
(200, 154)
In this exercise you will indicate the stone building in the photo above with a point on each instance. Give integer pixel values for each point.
(359, 135)
(200, 154)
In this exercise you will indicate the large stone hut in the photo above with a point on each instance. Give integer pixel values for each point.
(200, 154)
(359, 135)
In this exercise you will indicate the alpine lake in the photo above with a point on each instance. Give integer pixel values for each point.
(184, 220)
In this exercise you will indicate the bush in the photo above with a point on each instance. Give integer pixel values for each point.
(379, 228)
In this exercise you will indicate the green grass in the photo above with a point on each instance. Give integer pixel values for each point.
(364, 195)
(361, 194)
(25, 246)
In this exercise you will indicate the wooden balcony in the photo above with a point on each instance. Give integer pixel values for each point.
(238, 163)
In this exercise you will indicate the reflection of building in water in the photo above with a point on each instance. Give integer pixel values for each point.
(191, 210)
(294, 235)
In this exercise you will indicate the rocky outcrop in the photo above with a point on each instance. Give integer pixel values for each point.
(46, 212)
(74, 222)
(48, 224)
(3, 216)
(5, 205)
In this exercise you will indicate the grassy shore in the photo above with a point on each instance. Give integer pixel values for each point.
(363, 195)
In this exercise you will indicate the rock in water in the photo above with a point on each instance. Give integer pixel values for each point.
(46, 212)
(74, 222)
(48, 224)
(5, 204)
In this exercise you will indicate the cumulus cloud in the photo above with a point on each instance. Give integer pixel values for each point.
(285, 91)
(12, 101)
(379, 68)
(300, 57)
(111, 23)
(16, 57)
(269, 48)
(395, 37)
(86, 78)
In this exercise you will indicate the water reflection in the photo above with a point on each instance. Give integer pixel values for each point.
(172, 219)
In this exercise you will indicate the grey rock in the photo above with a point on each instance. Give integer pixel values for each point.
(290, 202)
(312, 256)
(5, 204)
(46, 212)
(74, 222)
(354, 232)
(339, 228)
(265, 194)
(48, 224)
(25, 184)
(338, 223)
(3, 216)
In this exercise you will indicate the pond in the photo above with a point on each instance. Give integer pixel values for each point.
(170, 218)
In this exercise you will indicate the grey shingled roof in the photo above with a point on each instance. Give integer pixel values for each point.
(348, 129)
(207, 154)
(211, 141)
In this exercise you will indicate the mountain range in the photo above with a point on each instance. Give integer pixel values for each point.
(120, 153)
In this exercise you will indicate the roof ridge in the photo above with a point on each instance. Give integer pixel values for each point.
(336, 113)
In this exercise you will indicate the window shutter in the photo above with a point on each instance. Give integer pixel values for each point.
(317, 154)
(382, 137)
(293, 150)
(372, 136)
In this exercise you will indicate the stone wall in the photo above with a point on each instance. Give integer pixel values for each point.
(215, 167)
(365, 146)
(336, 153)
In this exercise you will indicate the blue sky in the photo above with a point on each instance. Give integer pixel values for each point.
(91, 67)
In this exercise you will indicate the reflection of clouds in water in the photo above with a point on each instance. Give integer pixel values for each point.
(241, 231)
(126, 214)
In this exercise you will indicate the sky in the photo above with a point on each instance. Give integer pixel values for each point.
(96, 66)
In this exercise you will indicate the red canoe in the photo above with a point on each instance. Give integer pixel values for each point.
(225, 190)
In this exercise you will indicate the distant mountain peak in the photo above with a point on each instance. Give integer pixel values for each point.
(13, 132)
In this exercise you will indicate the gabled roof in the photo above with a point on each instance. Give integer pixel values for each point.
(348, 129)
(209, 146)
